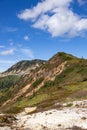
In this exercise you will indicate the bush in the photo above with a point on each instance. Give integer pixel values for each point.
(37, 82)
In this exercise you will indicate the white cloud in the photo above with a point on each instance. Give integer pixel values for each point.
(41, 8)
(9, 29)
(26, 38)
(56, 17)
(7, 52)
(28, 52)
(1, 46)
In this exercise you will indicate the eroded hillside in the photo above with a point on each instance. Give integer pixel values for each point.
(61, 78)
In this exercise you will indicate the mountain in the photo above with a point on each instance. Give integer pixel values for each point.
(62, 78)
(23, 67)
(13, 75)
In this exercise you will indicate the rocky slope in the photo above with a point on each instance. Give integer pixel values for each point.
(65, 116)
(69, 116)
(23, 67)
(45, 89)
(61, 78)
(13, 75)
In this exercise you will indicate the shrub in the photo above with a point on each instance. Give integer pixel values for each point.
(37, 82)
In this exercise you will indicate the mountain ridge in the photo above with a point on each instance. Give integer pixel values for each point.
(60, 78)
(23, 67)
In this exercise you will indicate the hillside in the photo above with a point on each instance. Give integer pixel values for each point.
(62, 78)
(13, 75)
(23, 67)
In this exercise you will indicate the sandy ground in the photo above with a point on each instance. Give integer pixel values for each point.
(55, 119)
(5, 128)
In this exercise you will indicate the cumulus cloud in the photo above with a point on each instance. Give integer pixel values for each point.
(26, 38)
(56, 17)
(18, 52)
(7, 52)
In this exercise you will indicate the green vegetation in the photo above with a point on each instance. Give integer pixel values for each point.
(26, 102)
(70, 85)
(8, 81)
(69, 104)
(7, 85)
(37, 82)
(65, 56)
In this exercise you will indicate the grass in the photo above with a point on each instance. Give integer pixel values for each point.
(43, 98)
(6, 82)
(46, 97)
(69, 104)
(33, 100)
(5, 95)
(37, 82)
(21, 104)
(70, 84)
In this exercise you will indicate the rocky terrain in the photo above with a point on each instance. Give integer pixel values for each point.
(70, 116)
(45, 95)
(65, 116)
(23, 67)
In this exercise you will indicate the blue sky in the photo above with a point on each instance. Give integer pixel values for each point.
(38, 29)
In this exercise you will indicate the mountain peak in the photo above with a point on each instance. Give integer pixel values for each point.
(60, 57)
(23, 67)
(65, 56)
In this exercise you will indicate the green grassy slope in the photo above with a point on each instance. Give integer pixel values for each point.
(8, 81)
